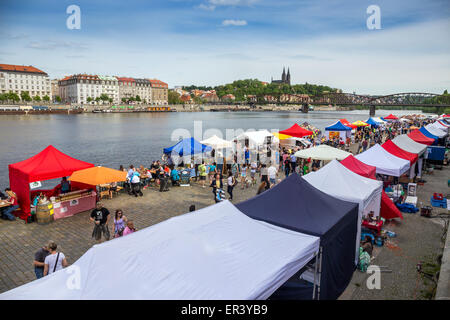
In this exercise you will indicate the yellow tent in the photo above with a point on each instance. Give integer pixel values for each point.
(98, 175)
(360, 123)
(281, 136)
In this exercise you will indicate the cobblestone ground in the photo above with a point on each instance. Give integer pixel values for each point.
(19, 241)
(417, 238)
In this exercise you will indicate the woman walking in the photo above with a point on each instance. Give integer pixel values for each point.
(55, 260)
(119, 223)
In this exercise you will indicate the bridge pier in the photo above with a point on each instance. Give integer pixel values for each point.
(305, 108)
(372, 110)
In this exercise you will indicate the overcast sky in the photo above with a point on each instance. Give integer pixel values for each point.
(211, 42)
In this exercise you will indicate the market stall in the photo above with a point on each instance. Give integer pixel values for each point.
(395, 150)
(337, 181)
(185, 149)
(333, 220)
(419, 137)
(48, 164)
(388, 209)
(338, 129)
(385, 162)
(297, 131)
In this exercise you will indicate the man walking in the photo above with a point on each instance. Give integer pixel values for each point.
(100, 217)
(39, 259)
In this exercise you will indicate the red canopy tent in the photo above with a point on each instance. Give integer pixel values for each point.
(346, 123)
(419, 137)
(391, 117)
(388, 209)
(395, 150)
(297, 131)
(48, 164)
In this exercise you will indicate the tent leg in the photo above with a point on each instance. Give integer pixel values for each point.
(315, 275)
(320, 273)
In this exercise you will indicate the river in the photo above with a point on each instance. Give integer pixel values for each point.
(138, 138)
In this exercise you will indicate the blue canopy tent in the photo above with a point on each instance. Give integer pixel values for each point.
(338, 129)
(429, 134)
(295, 204)
(372, 122)
(187, 146)
(338, 126)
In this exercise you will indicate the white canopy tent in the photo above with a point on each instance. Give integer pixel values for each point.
(322, 152)
(342, 183)
(437, 131)
(385, 162)
(379, 120)
(406, 143)
(217, 143)
(258, 137)
(213, 253)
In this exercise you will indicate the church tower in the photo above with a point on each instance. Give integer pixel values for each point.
(288, 78)
(283, 76)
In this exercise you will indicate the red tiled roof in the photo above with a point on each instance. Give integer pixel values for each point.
(158, 83)
(124, 79)
(16, 68)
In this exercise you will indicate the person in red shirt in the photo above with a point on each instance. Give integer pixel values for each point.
(12, 199)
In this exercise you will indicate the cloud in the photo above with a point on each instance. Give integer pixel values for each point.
(309, 57)
(232, 2)
(207, 7)
(10, 36)
(211, 5)
(236, 23)
(51, 45)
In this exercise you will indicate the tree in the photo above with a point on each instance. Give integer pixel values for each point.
(174, 98)
(25, 96)
(58, 98)
(110, 100)
(138, 99)
(104, 97)
(37, 98)
(89, 99)
(46, 98)
(124, 100)
(13, 97)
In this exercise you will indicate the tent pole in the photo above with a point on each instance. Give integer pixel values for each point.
(315, 274)
(320, 273)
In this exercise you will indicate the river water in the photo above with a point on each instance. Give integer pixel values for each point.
(138, 138)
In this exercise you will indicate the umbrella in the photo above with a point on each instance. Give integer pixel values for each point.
(322, 152)
(98, 175)
(360, 123)
(187, 146)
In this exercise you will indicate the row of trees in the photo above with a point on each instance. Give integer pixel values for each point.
(24, 96)
(133, 99)
(242, 88)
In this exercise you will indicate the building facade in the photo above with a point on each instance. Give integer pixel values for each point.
(131, 88)
(84, 88)
(18, 79)
(54, 89)
(160, 92)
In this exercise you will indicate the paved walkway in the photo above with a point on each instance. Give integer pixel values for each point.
(418, 238)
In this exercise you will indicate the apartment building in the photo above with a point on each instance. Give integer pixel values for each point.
(80, 88)
(160, 92)
(19, 79)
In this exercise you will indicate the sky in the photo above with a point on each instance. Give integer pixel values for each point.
(212, 42)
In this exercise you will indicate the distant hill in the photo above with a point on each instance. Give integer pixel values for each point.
(242, 88)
